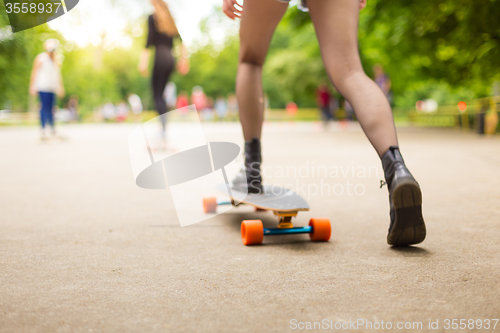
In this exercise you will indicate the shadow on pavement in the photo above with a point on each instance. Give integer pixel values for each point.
(411, 251)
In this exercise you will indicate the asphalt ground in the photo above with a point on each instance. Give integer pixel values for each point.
(83, 249)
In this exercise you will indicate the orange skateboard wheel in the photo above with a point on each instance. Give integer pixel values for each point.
(209, 204)
(252, 232)
(321, 229)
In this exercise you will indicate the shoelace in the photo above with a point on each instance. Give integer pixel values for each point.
(382, 183)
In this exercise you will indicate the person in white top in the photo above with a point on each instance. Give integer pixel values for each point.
(46, 80)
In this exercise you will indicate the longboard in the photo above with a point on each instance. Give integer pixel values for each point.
(284, 203)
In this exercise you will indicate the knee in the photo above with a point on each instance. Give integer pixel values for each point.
(250, 57)
(344, 77)
(343, 67)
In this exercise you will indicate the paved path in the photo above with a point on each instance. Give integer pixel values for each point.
(82, 249)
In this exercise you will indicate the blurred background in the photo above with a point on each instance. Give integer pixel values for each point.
(83, 248)
(440, 63)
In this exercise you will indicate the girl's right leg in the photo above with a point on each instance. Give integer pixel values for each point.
(336, 24)
(258, 23)
(42, 111)
(50, 112)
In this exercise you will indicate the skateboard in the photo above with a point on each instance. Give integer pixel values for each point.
(53, 138)
(284, 203)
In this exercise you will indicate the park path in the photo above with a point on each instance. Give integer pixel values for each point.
(82, 249)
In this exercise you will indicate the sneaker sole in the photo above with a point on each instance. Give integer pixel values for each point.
(409, 226)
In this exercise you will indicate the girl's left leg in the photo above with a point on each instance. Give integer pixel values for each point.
(336, 24)
(164, 65)
(257, 27)
(159, 82)
(46, 116)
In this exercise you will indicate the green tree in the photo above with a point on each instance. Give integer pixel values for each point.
(17, 52)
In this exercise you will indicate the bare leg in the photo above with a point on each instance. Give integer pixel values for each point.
(258, 23)
(336, 24)
(259, 20)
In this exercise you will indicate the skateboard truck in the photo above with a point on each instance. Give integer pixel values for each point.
(253, 231)
(285, 225)
(285, 219)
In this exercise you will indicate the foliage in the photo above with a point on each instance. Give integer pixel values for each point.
(17, 52)
(445, 50)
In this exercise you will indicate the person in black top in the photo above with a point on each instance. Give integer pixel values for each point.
(161, 34)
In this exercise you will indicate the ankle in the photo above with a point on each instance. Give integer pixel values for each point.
(394, 166)
(253, 150)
